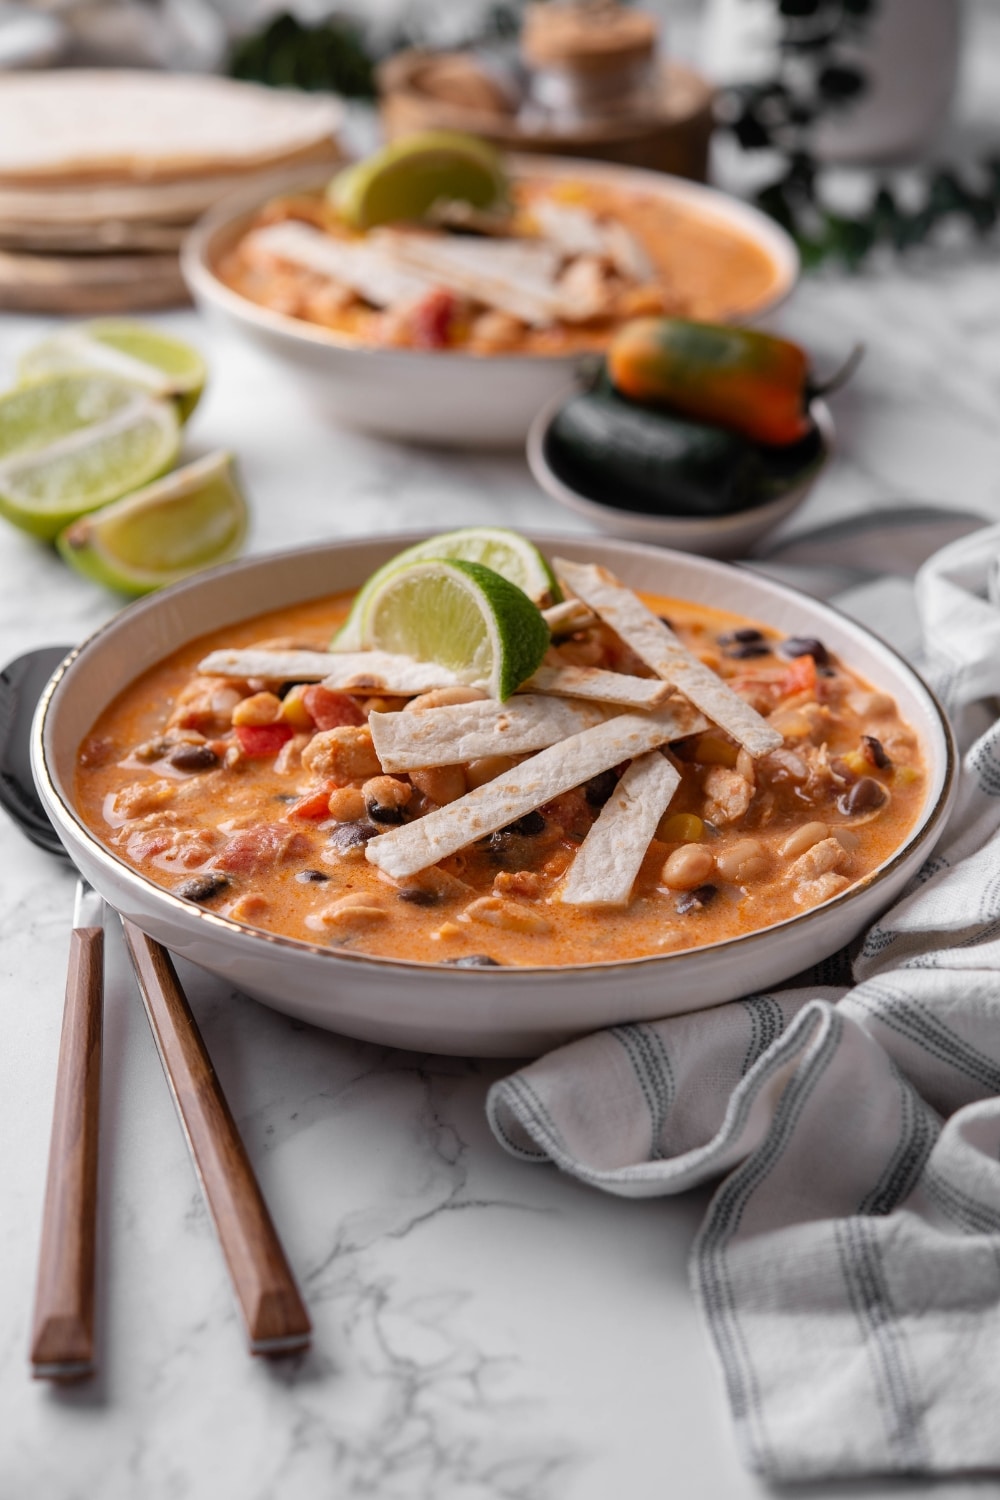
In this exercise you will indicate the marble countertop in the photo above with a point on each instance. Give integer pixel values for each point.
(484, 1330)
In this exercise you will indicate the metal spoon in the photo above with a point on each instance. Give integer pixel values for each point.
(273, 1311)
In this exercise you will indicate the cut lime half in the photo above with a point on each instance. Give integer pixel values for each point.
(130, 350)
(405, 180)
(506, 552)
(462, 616)
(194, 518)
(75, 442)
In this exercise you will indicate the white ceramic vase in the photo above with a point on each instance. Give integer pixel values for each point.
(909, 54)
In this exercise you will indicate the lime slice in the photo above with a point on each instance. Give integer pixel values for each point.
(76, 442)
(405, 180)
(506, 552)
(195, 517)
(130, 350)
(462, 616)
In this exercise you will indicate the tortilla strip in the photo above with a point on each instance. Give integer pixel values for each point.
(347, 671)
(514, 276)
(567, 616)
(362, 267)
(660, 649)
(604, 870)
(414, 846)
(465, 731)
(602, 687)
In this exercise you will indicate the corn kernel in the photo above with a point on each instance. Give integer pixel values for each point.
(857, 763)
(294, 711)
(712, 750)
(680, 828)
(904, 775)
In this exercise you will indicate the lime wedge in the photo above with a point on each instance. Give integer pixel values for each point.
(195, 517)
(462, 616)
(405, 180)
(130, 350)
(76, 442)
(506, 552)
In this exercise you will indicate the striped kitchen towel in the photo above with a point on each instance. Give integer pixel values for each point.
(849, 1266)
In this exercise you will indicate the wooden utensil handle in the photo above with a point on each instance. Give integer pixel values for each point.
(272, 1308)
(62, 1340)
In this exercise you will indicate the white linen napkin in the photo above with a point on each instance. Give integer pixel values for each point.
(848, 1269)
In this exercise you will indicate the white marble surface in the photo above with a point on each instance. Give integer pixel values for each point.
(485, 1330)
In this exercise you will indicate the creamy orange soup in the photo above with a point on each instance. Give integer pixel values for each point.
(246, 797)
(697, 268)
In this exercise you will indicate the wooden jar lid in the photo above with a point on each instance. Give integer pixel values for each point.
(587, 38)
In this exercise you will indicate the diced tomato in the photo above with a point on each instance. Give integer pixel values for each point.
(800, 677)
(316, 806)
(330, 710)
(254, 849)
(430, 319)
(262, 739)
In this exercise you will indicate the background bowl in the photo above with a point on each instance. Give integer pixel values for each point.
(501, 1012)
(449, 398)
(711, 536)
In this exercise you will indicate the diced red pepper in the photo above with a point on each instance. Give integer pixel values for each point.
(330, 710)
(316, 806)
(430, 319)
(258, 740)
(800, 677)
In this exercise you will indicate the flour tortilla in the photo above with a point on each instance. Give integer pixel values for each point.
(661, 650)
(465, 731)
(514, 276)
(604, 869)
(359, 265)
(424, 842)
(603, 687)
(346, 672)
(69, 124)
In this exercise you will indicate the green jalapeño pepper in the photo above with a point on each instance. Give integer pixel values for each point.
(738, 378)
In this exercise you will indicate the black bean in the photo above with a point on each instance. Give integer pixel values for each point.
(876, 751)
(311, 877)
(748, 649)
(599, 788)
(806, 645)
(745, 636)
(379, 814)
(347, 836)
(418, 895)
(864, 796)
(201, 887)
(529, 826)
(695, 900)
(193, 758)
(474, 961)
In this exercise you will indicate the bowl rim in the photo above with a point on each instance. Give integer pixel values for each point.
(680, 527)
(203, 282)
(924, 832)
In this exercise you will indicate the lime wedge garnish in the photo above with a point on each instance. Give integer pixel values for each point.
(462, 616)
(506, 552)
(193, 518)
(406, 179)
(75, 442)
(130, 350)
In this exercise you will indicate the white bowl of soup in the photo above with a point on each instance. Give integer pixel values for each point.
(712, 257)
(426, 977)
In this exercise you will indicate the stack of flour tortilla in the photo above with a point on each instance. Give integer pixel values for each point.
(102, 173)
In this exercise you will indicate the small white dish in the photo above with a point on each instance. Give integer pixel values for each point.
(502, 1012)
(709, 536)
(443, 397)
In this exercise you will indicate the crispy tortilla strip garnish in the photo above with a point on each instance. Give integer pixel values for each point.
(602, 687)
(660, 649)
(356, 264)
(569, 615)
(604, 870)
(345, 671)
(424, 842)
(466, 731)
